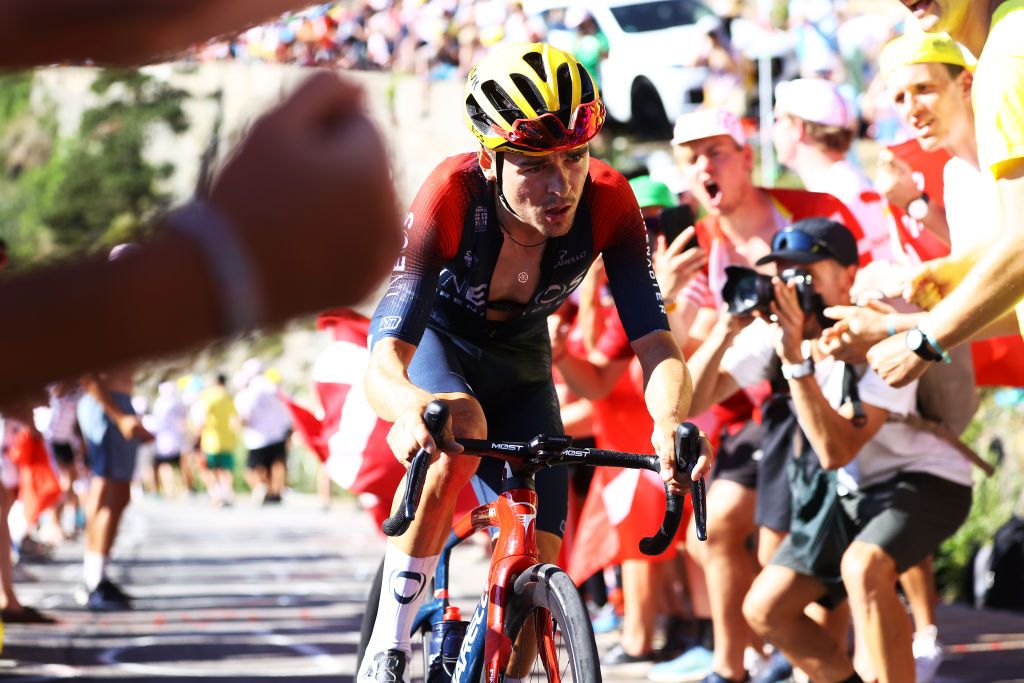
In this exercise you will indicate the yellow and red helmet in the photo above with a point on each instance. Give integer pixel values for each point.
(532, 98)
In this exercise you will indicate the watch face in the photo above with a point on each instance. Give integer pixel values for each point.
(914, 339)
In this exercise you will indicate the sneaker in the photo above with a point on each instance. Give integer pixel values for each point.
(607, 619)
(387, 667)
(107, 597)
(617, 656)
(691, 666)
(928, 654)
(777, 670)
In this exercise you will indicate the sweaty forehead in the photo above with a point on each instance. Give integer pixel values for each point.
(910, 75)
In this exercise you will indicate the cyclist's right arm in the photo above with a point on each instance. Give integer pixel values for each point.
(432, 229)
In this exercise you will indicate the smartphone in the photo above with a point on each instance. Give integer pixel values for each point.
(673, 220)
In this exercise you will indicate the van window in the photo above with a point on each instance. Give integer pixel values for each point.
(651, 16)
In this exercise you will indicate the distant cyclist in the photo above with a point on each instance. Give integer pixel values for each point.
(495, 242)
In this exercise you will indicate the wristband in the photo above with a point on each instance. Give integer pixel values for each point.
(935, 345)
(890, 325)
(228, 262)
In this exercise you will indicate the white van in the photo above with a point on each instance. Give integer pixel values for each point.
(648, 78)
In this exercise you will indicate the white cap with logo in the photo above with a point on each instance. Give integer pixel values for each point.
(814, 99)
(707, 123)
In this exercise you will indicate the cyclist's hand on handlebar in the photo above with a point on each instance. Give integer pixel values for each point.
(409, 434)
(664, 445)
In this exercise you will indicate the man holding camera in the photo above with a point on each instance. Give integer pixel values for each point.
(712, 153)
(885, 495)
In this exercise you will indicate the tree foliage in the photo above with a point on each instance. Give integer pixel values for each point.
(96, 188)
(105, 188)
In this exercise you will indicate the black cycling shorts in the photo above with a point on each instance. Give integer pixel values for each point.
(512, 381)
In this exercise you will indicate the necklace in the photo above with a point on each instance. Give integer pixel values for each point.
(523, 276)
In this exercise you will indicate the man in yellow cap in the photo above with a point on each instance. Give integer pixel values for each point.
(982, 286)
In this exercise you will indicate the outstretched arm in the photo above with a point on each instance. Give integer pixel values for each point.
(124, 32)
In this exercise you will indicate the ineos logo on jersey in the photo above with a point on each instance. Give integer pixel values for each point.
(477, 295)
(406, 585)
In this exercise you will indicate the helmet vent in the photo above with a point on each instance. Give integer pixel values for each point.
(536, 60)
(478, 116)
(529, 90)
(587, 89)
(563, 78)
(500, 100)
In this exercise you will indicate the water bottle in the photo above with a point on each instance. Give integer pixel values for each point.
(445, 643)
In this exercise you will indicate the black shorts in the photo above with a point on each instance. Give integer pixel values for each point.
(267, 455)
(738, 456)
(167, 459)
(907, 516)
(63, 453)
(773, 509)
(512, 381)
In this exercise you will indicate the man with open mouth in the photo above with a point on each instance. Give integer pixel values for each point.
(740, 219)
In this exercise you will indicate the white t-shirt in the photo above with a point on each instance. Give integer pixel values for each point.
(848, 184)
(972, 206)
(264, 416)
(895, 448)
(167, 423)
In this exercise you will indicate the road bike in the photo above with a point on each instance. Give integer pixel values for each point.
(528, 610)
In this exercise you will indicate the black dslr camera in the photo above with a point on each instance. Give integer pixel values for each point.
(746, 291)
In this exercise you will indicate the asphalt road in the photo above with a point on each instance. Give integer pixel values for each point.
(252, 593)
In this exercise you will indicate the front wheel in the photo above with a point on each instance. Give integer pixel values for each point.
(550, 629)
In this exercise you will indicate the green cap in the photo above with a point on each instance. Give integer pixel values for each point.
(651, 193)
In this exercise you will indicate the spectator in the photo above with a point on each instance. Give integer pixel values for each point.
(979, 287)
(11, 609)
(266, 425)
(216, 420)
(169, 421)
(714, 156)
(813, 133)
(887, 495)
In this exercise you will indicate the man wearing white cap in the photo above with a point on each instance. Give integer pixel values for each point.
(711, 150)
(814, 129)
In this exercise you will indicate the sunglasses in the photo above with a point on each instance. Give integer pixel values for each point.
(798, 240)
(546, 133)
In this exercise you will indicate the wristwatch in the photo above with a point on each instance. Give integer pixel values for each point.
(918, 208)
(918, 342)
(798, 370)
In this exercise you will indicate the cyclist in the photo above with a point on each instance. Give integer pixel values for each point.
(496, 241)
(988, 283)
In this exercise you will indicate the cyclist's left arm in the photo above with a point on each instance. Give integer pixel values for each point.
(667, 384)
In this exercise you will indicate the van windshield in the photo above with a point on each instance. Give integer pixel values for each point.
(651, 16)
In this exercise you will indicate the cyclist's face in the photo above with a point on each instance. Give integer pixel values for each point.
(544, 191)
(940, 15)
(935, 105)
(717, 171)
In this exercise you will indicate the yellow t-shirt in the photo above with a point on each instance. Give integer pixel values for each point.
(219, 422)
(998, 95)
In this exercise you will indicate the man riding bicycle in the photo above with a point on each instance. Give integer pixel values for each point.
(495, 242)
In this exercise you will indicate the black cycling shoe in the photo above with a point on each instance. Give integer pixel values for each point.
(386, 667)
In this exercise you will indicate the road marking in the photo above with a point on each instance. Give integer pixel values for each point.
(994, 646)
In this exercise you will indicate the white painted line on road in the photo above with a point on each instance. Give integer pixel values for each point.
(322, 661)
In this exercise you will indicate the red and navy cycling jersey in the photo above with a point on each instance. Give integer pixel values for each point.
(452, 242)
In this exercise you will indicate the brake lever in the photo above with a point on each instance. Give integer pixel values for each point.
(688, 443)
(435, 416)
(687, 450)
